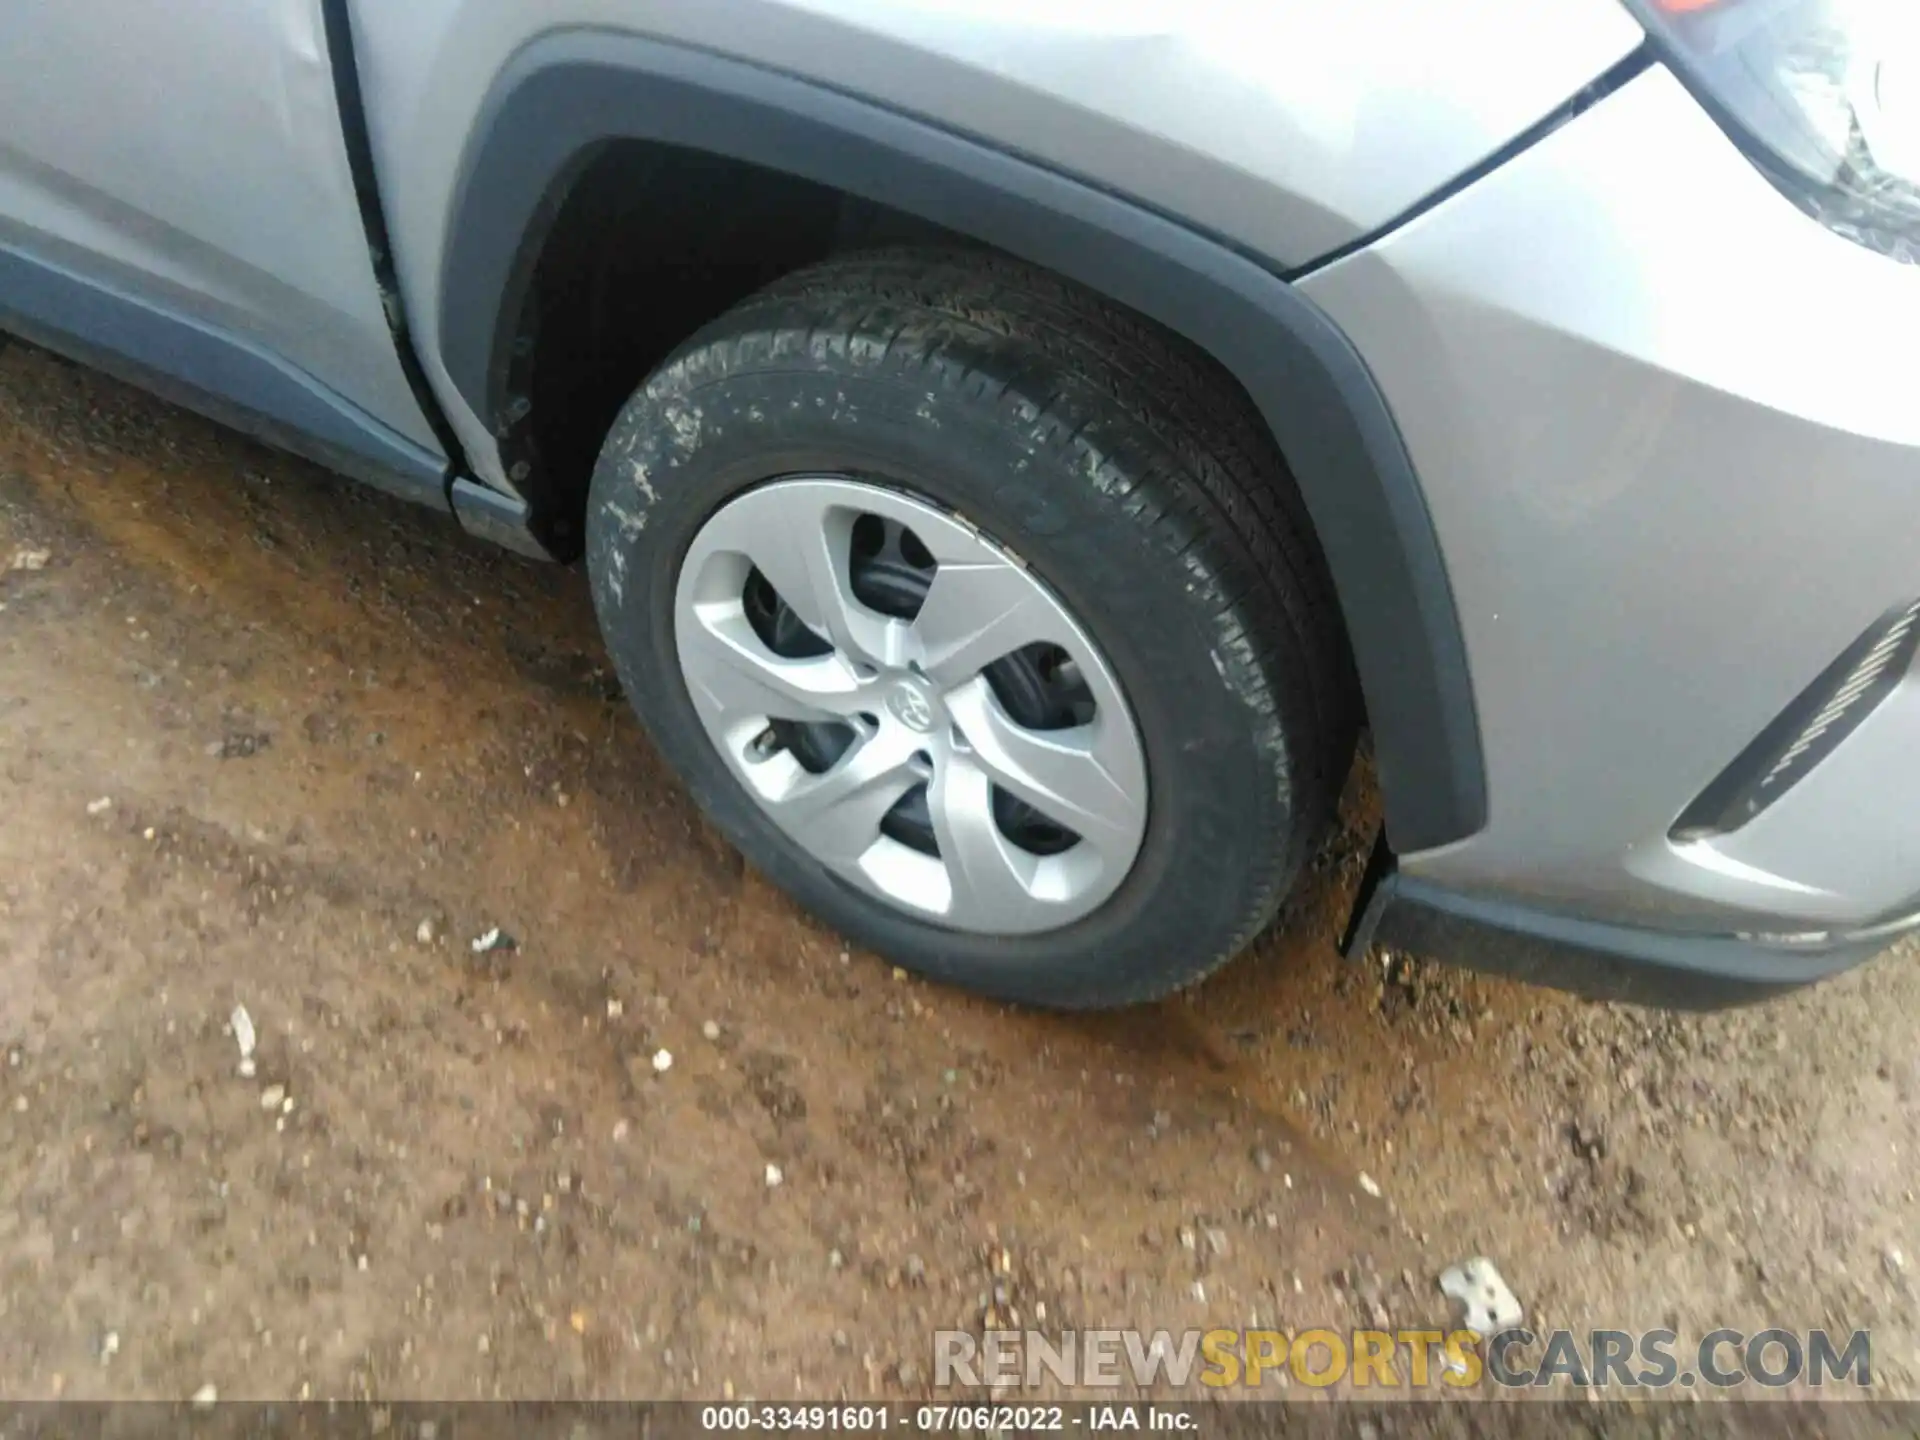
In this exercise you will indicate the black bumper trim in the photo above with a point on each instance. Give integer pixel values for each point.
(1589, 957)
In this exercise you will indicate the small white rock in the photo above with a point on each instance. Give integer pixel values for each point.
(246, 1067)
(1487, 1304)
(619, 1132)
(271, 1097)
(100, 806)
(774, 1176)
(486, 942)
(109, 1345)
(1370, 1185)
(205, 1395)
(711, 1030)
(662, 1061)
(361, 1263)
(243, 1035)
(24, 559)
(615, 1009)
(424, 934)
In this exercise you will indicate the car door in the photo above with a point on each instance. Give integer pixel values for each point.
(176, 201)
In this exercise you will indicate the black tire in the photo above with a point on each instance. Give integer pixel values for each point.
(1125, 468)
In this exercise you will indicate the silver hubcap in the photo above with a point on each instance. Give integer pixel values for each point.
(911, 705)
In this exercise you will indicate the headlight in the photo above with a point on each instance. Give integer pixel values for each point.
(1824, 95)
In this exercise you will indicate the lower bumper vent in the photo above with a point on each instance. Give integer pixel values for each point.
(1808, 730)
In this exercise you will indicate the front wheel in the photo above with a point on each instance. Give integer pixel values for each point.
(980, 616)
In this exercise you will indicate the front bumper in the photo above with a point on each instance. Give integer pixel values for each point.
(1667, 428)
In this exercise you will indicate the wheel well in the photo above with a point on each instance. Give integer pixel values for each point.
(651, 242)
(566, 96)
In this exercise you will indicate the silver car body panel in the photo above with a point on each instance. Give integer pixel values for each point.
(1667, 430)
(189, 156)
(1286, 130)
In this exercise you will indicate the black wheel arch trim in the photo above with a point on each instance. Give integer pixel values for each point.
(570, 92)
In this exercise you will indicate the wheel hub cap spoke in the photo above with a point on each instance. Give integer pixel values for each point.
(837, 815)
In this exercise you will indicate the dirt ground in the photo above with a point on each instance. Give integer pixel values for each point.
(267, 739)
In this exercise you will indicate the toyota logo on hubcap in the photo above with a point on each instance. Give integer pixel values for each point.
(911, 708)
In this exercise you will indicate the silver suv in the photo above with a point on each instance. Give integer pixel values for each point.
(1017, 444)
